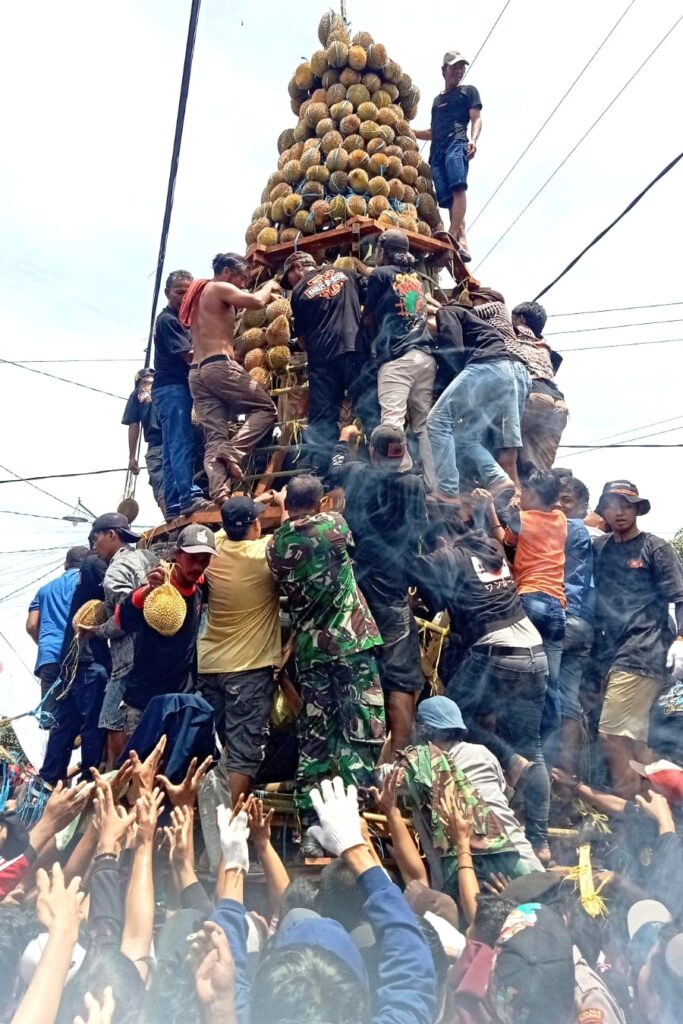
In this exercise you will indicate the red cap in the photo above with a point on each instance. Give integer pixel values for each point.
(665, 777)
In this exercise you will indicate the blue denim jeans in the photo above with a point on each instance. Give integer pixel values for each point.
(484, 402)
(547, 615)
(578, 643)
(449, 171)
(77, 715)
(173, 404)
(502, 698)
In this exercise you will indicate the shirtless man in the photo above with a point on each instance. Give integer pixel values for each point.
(220, 387)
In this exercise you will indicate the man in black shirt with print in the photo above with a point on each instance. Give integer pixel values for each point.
(326, 309)
(173, 402)
(140, 412)
(637, 576)
(453, 110)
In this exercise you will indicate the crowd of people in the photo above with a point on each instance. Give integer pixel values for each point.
(469, 681)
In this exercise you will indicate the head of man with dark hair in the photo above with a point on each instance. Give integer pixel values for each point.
(573, 497)
(308, 985)
(338, 895)
(540, 491)
(75, 556)
(232, 268)
(393, 250)
(490, 917)
(304, 495)
(177, 283)
(531, 315)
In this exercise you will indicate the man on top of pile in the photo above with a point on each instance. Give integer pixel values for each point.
(453, 111)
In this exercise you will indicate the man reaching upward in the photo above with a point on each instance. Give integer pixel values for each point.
(220, 387)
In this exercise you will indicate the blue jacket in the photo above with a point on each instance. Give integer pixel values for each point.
(406, 990)
(578, 571)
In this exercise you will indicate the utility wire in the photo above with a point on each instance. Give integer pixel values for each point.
(599, 447)
(612, 327)
(601, 235)
(175, 158)
(63, 476)
(616, 309)
(622, 344)
(577, 144)
(31, 551)
(642, 426)
(33, 362)
(627, 442)
(15, 651)
(31, 515)
(64, 380)
(36, 488)
(552, 113)
(25, 586)
(489, 34)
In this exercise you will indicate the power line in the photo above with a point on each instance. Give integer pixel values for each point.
(15, 651)
(627, 442)
(598, 447)
(622, 344)
(30, 551)
(489, 34)
(552, 113)
(25, 586)
(62, 476)
(601, 235)
(31, 515)
(32, 362)
(64, 380)
(36, 488)
(615, 309)
(612, 327)
(175, 159)
(577, 144)
(642, 426)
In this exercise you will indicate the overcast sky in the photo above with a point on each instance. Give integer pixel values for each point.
(91, 94)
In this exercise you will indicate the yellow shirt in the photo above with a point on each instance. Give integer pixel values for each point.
(243, 621)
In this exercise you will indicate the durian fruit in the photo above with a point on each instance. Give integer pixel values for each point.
(92, 613)
(291, 204)
(388, 218)
(367, 111)
(423, 228)
(303, 76)
(253, 338)
(377, 56)
(369, 129)
(359, 158)
(396, 189)
(316, 112)
(405, 84)
(363, 39)
(320, 211)
(356, 206)
(302, 131)
(337, 207)
(393, 166)
(407, 223)
(256, 357)
(310, 157)
(285, 140)
(324, 126)
(330, 77)
(250, 235)
(338, 183)
(277, 333)
(357, 58)
(408, 174)
(353, 142)
(279, 307)
(253, 318)
(413, 158)
(335, 94)
(294, 171)
(424, 169)
(422, 184)
(378, 164)
(330, 141)
(358, 179)
(328, 23)
(357, 94)
(381, 99)
(340, 110)
(319, 96)
(393, 150)
(278, 357)
(339, 33)
(371, 81)
(260, 224)
(376, 145)
(349, 125)
(392, 71)
(345, 262)
(260, 375)
(304, 222)
(280, 191)
(313, 190)
(277, 213)
(288, 235)
(338, 160)
(164, 609)
(377, 205)
(319, 172)
(337, 54)
(387, 133)
(409, 194)
(392, 89)
(275, 179)
(379, 186)
(319, 63)
(427, 208)
(349, 77)
(268, 236)
(387, 115)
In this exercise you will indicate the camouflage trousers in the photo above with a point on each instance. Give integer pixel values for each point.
(341, 724)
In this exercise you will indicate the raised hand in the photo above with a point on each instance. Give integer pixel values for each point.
(184, 794)
(147, 809)
(64, 804)
(145, 772)
(111, 820)
(59, 906)
(337, 811)
(234, 832)
(259, 823)
(98, 1013)
(386, 797)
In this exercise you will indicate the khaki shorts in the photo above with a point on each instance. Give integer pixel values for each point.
(626, 708)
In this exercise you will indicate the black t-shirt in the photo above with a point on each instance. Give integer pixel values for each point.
(478, 599)
(326, 312)
(635, 582)
(161, 664)
(451, 116)
(139, 409)
(387, 514)
(396, 300)
(171, 344)
(88, 588)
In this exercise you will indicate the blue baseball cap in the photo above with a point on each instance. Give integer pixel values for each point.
(327, 934)
(440, 713)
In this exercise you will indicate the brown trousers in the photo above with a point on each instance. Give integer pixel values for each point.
(222, 390)
(543, 421)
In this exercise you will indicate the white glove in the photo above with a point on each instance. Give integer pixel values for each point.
(337, 810)
(674, 659)
(234, 835)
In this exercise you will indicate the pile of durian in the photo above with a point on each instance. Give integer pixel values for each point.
(353, 151)
(262, 341)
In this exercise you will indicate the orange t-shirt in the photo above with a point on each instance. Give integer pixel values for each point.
(539, 559)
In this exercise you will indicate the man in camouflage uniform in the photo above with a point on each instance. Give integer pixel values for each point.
(341, 723)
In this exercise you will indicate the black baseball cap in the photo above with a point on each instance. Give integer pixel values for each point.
(196, 539)
(389, 443)
(297, 259)
(239, 512)
(394, 239)
(626, 490)
(119, 523)
(147, 371)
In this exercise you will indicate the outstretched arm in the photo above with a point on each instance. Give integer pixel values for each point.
(406, 853)
(231, 295)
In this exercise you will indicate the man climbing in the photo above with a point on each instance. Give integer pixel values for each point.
(220, 387)
(453, 111)
(141, 413)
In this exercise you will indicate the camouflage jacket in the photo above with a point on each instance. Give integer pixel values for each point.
(309, 559)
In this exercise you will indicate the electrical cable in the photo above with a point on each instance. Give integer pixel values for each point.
(25, 586)
(63, 476)
(488, 36)
(12, 648)
(626, 442)
(551, 114)
(30, 551)
(601, 235)
(64, 380)
(36, 488)
(31, 515)
(577, 144)
(615, 309)
(33, 362)
(641, 426)
(613, 327)
(175, 159)
(622, 344)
